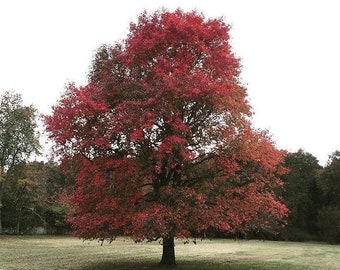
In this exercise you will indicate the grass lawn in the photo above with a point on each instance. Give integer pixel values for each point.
(49, 252)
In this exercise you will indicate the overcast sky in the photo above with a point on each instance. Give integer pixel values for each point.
(289, 50)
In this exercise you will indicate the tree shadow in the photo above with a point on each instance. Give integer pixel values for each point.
(135, 264)
(123, 265)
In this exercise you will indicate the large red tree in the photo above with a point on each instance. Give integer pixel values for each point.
(160, 139)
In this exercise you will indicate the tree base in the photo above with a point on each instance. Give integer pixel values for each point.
(168, 256)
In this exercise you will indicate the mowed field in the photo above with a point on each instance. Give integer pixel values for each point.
(49, 252)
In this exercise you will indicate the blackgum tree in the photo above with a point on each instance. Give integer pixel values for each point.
(161, 140)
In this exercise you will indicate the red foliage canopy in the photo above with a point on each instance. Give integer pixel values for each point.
(160, 139)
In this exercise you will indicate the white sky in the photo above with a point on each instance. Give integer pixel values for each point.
(290, 52)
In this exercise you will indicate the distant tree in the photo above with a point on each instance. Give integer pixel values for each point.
(329, 180)
(55, 210)
(31, 199)
(329, 214)
(160, 138)
(301, 195)
(329, 224)
(18, 138)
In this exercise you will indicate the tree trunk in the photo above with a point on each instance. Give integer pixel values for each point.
(2, 187)
(0, 220)
(168, 256)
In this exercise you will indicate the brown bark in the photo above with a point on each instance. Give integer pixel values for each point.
(168, 256)
(0, 221)
(2, 187)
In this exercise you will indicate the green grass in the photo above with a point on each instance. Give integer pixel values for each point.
(48, 252)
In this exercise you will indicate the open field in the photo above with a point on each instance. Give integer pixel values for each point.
(48, 252)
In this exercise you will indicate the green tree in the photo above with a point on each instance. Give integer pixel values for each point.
(57, 185)
(329, 180)
(329, 214)
(31, 199)
(301, 195)
(18, 136)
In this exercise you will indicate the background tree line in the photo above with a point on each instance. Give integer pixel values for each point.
(30, 190)
(31, 201)
(313, 196)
